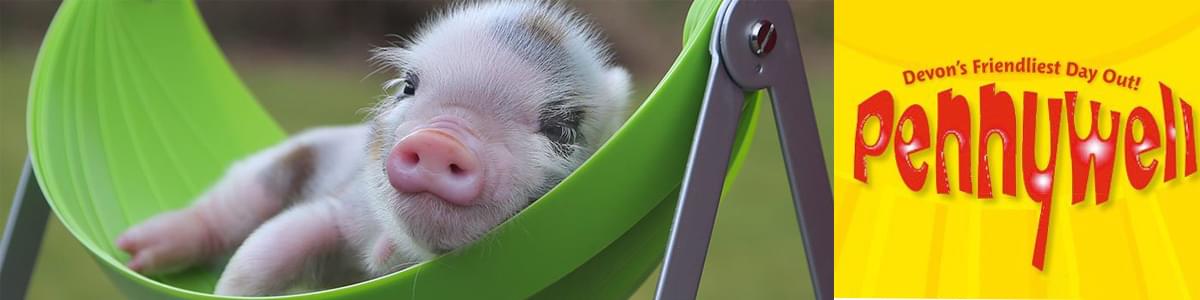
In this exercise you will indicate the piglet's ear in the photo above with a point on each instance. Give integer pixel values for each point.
(617, 80)
(618, 107)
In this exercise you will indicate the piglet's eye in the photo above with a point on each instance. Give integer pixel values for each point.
(560, 124)
(410, 84)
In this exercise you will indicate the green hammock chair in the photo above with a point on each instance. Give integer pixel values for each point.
(133, 110)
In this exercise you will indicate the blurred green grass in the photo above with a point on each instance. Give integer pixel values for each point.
(754, 252)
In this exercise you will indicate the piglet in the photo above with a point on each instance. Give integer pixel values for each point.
(494, 104)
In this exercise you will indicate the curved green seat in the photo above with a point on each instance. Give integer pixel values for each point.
(134, 111)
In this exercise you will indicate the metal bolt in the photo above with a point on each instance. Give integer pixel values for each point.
(762, 37)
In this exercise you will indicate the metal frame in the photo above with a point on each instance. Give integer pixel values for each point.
(736, 70)
(22, 235)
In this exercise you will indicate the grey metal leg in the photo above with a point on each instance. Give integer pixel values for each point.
(754, 47)
(22, 236)
(701, 190)
(782, 72)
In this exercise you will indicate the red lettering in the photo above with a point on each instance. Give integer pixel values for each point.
(1189, 137)
(1091, 151)
(997, 118)
(1189, 134)
(954, 118)
(1140, 174)
(1039, 183)
(1089, 154)
(878, 106)
(1169, 122)
(914, 178)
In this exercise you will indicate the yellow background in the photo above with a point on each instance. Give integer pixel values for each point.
(893, 242)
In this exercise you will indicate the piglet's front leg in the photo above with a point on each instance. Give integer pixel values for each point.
(252, 191)
(289, 248)
(218, 221)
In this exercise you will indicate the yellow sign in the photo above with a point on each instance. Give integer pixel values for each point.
(1021, 149)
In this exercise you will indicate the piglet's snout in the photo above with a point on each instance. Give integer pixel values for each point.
(435, 160)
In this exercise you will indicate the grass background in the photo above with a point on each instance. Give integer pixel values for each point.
(756, 244)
